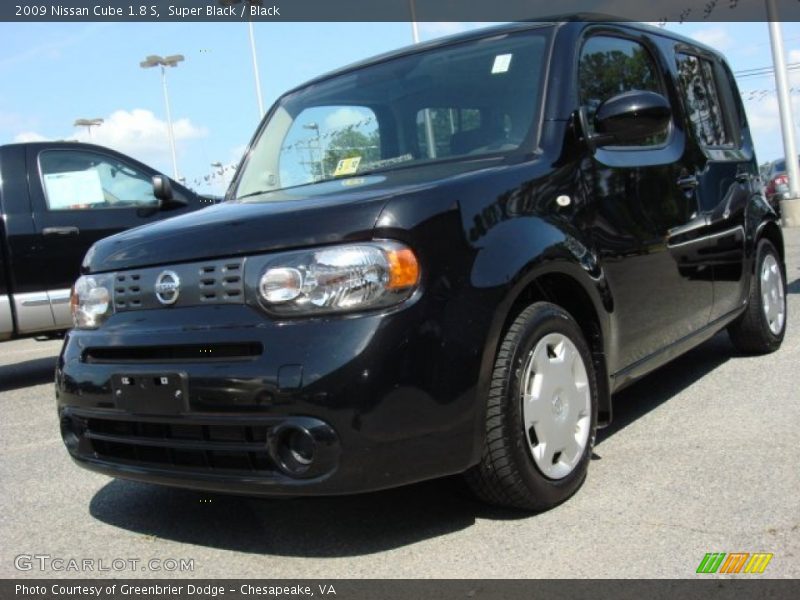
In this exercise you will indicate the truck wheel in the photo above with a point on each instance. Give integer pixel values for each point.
(762, 326)
(541, 413)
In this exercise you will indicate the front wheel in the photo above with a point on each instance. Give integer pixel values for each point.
(541, 413)
(762, 326)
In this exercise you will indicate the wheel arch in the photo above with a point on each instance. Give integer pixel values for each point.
(585, 298)
(771, 231)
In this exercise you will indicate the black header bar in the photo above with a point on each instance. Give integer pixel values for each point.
(700, 588)
(656, 11)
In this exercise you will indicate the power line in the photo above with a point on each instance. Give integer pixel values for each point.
(763, 71)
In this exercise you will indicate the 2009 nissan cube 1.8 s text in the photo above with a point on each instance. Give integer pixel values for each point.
(442, 260)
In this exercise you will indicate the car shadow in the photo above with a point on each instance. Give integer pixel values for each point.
(653, 390)
(27, 373)
(358, 524)
(794, 287)
(321, 527)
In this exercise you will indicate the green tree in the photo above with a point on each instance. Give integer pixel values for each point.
(351, 143)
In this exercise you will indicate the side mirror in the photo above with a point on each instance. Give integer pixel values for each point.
(162, 190)
(631, 117)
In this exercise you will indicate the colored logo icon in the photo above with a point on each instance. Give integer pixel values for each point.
(734, 562)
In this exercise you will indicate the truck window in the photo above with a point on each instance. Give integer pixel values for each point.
(703, 106)
(81, 180)
(609, 66)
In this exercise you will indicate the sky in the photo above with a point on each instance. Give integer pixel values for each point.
(55, 73)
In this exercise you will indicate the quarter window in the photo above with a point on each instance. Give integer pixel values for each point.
(703, 106)
(81, 180)
(610, 66)
(329, 140)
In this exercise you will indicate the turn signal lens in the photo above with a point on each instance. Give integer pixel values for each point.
(403, 269)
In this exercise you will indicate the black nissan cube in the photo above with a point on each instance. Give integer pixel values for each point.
(442, 260)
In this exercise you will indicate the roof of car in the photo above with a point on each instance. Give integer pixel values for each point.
(503, 29)
(51, 144)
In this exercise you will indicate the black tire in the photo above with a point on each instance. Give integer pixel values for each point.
(751, 333)
(507, 474)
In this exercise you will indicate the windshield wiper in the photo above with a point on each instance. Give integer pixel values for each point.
(251, 194)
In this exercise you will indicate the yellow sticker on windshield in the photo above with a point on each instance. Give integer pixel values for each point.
(347, 166)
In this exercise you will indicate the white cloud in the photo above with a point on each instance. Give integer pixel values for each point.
(140, 134)
(345, 116)
(137, 133)
(29, 136)
(717, 37)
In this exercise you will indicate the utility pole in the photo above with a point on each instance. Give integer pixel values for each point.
(429, 138)
(88, 123)
(251, 33)
(790, 207)
(163, 62)
(259, 97)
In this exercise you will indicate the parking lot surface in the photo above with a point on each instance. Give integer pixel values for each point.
(701, 457)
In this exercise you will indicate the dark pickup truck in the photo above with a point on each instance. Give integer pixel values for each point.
(56, 200)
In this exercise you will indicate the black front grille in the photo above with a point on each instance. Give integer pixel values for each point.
(128, 291)
(220, 281)
(209, 447)
(214, 282)
(177, 353)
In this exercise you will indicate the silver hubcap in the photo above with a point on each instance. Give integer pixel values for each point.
(772, 299)
(556, 405)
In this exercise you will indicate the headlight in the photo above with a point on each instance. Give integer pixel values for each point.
(339, 279)
(91, 301)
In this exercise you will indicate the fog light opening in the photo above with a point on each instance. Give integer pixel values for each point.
(296, 450)
(71, 430)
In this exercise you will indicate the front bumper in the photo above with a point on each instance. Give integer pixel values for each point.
(318, 406)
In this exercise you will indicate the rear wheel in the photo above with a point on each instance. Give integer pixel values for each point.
(541, 413)
(762, 327)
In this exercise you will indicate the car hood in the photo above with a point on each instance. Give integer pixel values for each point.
(322, 213)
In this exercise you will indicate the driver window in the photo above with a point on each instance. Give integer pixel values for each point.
(82, 180)
(609, 66)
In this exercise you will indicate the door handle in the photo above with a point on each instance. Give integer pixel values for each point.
(60, 231)
(687, 182)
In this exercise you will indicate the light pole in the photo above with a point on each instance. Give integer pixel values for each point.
(790, 207)
(315, 127)
(88, 123)
(169, 61)
(259, 97)
(429, 139)
(255, 69)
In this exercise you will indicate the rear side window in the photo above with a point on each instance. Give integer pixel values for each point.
(702, 98)
(82, 180)
(453, 129)
(610, 66)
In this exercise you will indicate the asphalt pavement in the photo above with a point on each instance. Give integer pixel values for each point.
(701, 457)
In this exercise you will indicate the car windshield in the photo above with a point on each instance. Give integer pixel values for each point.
(474, 98)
